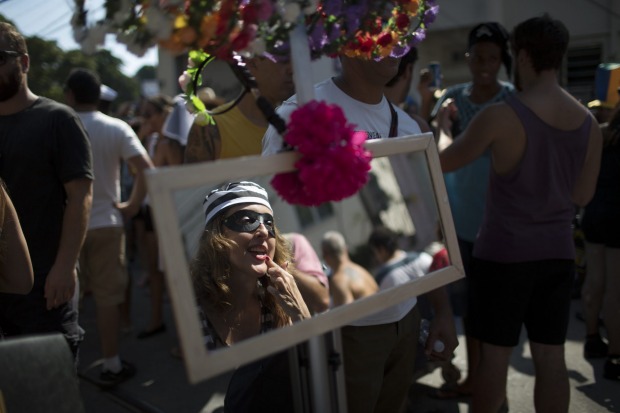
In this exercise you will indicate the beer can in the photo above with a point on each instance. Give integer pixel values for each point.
(435, 69)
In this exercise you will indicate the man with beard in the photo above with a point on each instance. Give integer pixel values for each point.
(45, 160)
(545, 153)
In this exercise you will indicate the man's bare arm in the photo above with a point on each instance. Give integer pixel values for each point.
(203, 144)
(586, 182)
(61, 281)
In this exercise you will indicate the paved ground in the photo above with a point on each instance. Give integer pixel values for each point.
(160, 385)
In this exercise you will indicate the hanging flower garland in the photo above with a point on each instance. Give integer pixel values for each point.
(219, 27)
(334, 163)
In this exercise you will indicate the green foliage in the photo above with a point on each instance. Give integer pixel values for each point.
(50, 66)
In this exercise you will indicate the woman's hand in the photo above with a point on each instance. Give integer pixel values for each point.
(283, 287)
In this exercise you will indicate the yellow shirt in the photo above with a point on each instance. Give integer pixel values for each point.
(239, 136)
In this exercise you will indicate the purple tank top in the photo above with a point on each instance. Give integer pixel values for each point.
(529, 211)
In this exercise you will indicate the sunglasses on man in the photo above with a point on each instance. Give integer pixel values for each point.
(6, 54)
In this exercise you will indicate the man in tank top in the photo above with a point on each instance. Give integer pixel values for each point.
(545, 150)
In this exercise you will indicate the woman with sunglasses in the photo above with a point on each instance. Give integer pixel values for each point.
(239, 273)
(244, 289)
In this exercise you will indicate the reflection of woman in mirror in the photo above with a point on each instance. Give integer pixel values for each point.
(244, 289)
(240, 273)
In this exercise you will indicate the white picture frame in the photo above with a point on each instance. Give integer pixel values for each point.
(202, 364)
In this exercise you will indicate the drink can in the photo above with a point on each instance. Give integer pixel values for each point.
(435, 69)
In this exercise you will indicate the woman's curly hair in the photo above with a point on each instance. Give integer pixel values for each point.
(211, 271)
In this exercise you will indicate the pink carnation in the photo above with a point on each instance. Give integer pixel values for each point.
(334, 164)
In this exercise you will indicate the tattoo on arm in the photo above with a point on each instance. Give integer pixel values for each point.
(203, 144)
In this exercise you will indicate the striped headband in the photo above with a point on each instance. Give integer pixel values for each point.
(234, 193)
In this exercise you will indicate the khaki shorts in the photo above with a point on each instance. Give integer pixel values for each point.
(102, 265)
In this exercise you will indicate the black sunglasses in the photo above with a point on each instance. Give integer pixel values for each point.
(5, 54)
(249, 221)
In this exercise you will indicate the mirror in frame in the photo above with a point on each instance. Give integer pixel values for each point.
(412, 201)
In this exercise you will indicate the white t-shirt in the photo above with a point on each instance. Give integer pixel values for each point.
(414, 269)
(111, 140)
(375, 119)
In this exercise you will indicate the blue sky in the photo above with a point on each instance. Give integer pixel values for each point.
(50, 19)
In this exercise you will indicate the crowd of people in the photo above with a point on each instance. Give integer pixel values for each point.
(518, 159)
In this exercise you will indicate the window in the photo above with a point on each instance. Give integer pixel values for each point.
(581, 64)
(308, 216)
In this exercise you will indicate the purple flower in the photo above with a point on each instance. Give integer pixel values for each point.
(417, 38)
(400, 51)
(430, 15)
(333, 7)
(318, 37)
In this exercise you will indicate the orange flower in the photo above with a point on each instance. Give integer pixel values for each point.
(412, 7)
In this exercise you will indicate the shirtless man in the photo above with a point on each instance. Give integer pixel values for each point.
(349, 281)
(546, 150)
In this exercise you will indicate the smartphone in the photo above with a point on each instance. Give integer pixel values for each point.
(435, 69)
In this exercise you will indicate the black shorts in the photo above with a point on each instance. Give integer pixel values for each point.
(505, 296)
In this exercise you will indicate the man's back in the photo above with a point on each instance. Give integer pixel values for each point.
(351, 282)
(112, 140)
(529, 206)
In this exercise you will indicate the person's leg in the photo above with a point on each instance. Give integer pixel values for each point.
(611, 314)
(156, 286)
(472, 345)
(593, 287)
(108, 277)
(489, 383)
(551, 390)
(365, 351)
(611, 303)
(498, 297)
(399, 365)
(547, 324)
(156, 278)
(108, 324)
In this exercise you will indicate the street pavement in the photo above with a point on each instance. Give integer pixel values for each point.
(161, 386)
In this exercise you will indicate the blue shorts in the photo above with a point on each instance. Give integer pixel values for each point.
(505, 296)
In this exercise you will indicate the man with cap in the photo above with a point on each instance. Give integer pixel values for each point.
(106, 97)
(102, 259)
(487, 51)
